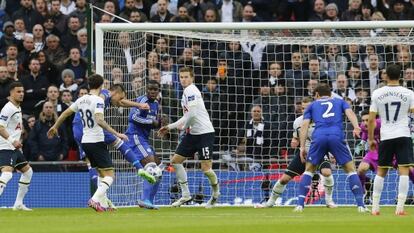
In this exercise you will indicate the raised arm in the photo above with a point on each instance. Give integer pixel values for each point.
(102, 123)
(129, 104)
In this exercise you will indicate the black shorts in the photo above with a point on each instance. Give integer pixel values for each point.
(12, 158)
(297, 168)
(401, 148)
(203, 144)
(98, 155)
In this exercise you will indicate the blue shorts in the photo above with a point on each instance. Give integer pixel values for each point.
(140, 146)
(321, 145)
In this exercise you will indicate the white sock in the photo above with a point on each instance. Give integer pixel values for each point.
(403, 185)
(104, 185)
(24, 183)
(4, 179)
(277, 190)
(182, 179)
(212, 178)
(328, 183)
(376, 194)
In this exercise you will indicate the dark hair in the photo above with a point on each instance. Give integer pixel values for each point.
(117, 87)
(187, 69)
(66, 90)
(364, 112)
(153, 82)
(393, 72)
(14, 85)
(12, 45)
(95, 81)
(323, 89)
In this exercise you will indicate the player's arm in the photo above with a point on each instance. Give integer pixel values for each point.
(99, 117)
(129, 104)
(54, 129)
(137, 118)
(4, 120)
(354, 121)
(303, 134)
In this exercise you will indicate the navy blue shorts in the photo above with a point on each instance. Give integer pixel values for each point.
(203, 144)
(12, 158)
(98, 155)
(336, 145)
(140, 146)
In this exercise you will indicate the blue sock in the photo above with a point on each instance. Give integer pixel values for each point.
(304, 187)
(129, 155)
(93, 176)
(154, 191)
(146, 191)
(356, 188)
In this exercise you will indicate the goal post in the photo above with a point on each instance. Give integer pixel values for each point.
(272, 65)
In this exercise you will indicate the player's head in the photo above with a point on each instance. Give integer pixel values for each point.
(393, 72)
(305, 103)
(153, 89)
(117, 94)
(16, 92)
(365, 116)
(83, 91)
(321, 90)
(95, 81)
(186, 76)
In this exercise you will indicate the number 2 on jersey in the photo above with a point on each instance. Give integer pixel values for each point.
(397, 110)
(89, 120)
(328, 112)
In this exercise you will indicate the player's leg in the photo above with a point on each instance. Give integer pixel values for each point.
(385, 160)
(7, 163)
(26, 176)
(304, 184)
(186, 148)
(328, 182)
(205, 153)
(404, 155)
(411, 174)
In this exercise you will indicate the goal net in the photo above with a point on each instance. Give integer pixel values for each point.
(253, 78)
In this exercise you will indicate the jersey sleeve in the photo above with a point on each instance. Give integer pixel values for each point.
(412, 100)
(99, 106)
(74, 107)
(296, 128)
(345, 105)
(308, 112)
(374, 106)
(5, 115)
(106, 96)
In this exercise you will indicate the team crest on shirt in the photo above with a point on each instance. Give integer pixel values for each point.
(100, 105)
(4, 118)
(191, 98)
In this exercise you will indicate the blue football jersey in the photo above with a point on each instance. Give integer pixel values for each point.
(140, 122)
(327, 114)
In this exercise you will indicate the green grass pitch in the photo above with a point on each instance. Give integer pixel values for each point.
(194, 220)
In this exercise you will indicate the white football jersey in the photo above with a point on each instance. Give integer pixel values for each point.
(200, 122)
(393, 104)
(11, 120)
(88, 106)
(297, 124)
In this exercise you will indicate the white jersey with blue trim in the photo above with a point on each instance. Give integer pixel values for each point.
(11, 119)
(193, 105)
(88, 106)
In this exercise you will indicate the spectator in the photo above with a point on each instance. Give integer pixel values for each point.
(67, 6)
(41, 7)
(211, 16)
(316, 73)
(82, 35)
(20, 28)
(231, 11)
(124, 54)
(11, 53)
(105, 18)
(397, 10)
(211, 97)
(68, 81)
(49, 69)
(144, 6)
(297, 74)
(138, 68)
(129, 8)
(60, 20)
(152, 60)
(366, 11)
(35, 85)
(135, 16)
(8, 36)
(354, 11)
(27, 51)
(237, 59)
(310, 87)
(255, 50)
(362, 101)
(49, 27)
(404, 59)
(334, 63)
(197, 8)
(276, 75)
(66, 97)
(331, 12)
(38, 37)
(249, 15)
(353, 55)
(138, 86)
(318, 11)
(28, 126)
(161, 46)
(42, 148)
(52, 96)
(78, 65)
(409, 78)
(80, 11)
(5, 82)
(182, 16)
(29, 15)
(12, 69)
(70, 38)
(163, 15)
(168, 74)
(54, 51)
(342, 88)
(372, 74)
(370, 49)
(355, 79)
(293, 10)
(256, 139)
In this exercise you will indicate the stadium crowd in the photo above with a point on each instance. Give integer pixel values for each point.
(252, 90)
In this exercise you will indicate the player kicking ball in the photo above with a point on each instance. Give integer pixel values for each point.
(91, 108)
(200, 138)
(11, 157)
(297, 166)
(392, 103)
(328, 137)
